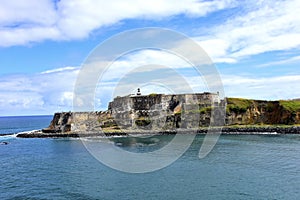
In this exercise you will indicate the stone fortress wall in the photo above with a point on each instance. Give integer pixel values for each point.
(132, 112)
(168, 112)
(160, 111)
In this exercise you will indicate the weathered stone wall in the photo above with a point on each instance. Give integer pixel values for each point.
(80, 122)
(146, 102)
(159, 111)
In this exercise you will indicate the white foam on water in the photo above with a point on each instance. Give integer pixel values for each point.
(27, 132)
(8, 137)
(14, 136)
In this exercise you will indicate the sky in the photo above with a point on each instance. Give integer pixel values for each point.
(254, 45)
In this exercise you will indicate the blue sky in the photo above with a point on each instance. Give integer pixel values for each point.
(255, 45)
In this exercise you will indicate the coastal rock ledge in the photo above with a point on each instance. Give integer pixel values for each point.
(224, 131)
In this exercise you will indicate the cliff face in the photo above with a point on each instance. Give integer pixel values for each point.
(61, 122)
(168, 112)
(80, 122)
(245, 111)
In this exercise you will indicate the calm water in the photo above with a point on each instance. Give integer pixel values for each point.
(11, 125)
(239, 167)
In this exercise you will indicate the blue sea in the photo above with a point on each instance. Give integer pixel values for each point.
(239, 167)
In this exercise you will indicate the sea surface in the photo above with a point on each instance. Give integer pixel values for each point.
(239, 167)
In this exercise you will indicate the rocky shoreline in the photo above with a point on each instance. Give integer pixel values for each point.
(255, 130)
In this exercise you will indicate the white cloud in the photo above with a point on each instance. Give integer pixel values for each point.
(270, 88)
(27, 13)
(36, 20)
(258, 27)
(263, 27)
(24, 35)
(281, 62)
(216, 49)
(62, 69)
(46, 93)
(78, 18)
(42, 93)
(136, 61)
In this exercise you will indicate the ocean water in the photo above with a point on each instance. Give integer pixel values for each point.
(239, 167)
(16, 124)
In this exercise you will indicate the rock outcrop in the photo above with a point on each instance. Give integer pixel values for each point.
(249, 112)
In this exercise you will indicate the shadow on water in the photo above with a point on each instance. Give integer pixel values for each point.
(137, 143)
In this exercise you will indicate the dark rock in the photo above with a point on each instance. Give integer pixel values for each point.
(4, 143)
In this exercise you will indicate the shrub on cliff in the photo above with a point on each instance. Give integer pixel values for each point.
(290, 105)
(238, 105)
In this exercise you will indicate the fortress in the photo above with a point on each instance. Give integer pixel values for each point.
(160, 111)
(142, 112)
(168, 112)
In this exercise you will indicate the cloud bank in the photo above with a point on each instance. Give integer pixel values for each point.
(38, 20)
(41, 93)
(256, 27)
(52, 91)
(259, 27)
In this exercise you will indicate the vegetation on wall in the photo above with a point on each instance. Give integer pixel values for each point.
(143, 121)
(205, 110)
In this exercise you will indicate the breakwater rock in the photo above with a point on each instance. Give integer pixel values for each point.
(263, 130)
(40, 134)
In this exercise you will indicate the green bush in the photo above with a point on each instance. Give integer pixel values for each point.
(238, 105)
(142, 121)
(290, 105)
(205, 110)
(153, 95)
